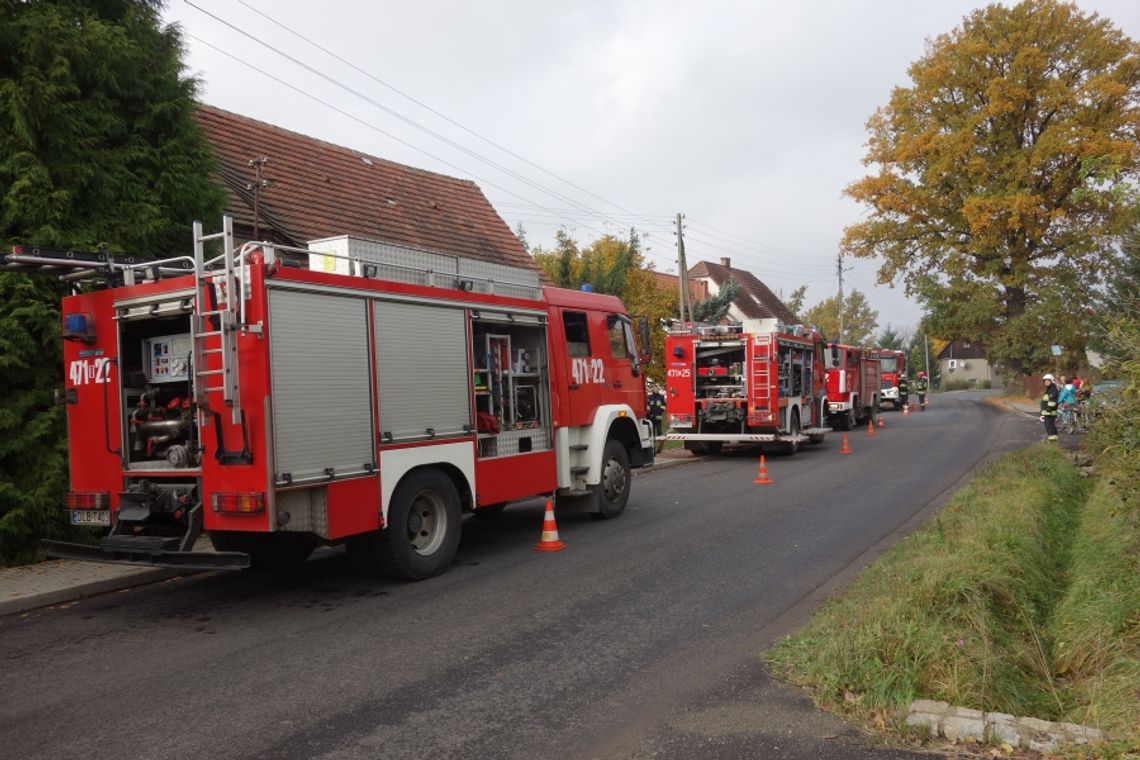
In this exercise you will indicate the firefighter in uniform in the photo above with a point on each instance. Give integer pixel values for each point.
(904, 390)
(656, 414)
(920, 386)
(1049, 407)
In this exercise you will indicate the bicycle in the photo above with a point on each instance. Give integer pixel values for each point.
(1073, 418)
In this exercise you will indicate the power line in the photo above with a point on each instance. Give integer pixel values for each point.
(392, 112)
(358, 120)
(726, 241)
(407, 120)
(428, 108)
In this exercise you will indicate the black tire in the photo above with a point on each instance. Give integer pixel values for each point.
(268, 551)
(422, 534)
(613, 492)
(791, 447)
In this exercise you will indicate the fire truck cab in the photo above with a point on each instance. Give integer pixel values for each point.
(353, 392)
(892, 366)
(758, 382)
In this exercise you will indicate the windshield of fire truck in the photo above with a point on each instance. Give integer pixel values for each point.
(888, 364)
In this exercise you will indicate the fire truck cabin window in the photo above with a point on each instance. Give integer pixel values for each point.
(619, 347)
(577, 333)
(889, 364)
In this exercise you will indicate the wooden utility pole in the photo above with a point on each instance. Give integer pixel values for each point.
(683, 274)
(259, 183)
(839, 270)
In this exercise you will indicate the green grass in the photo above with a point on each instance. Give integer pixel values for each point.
(1022, 596)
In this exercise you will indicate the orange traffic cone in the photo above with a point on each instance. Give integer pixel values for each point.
(906, 409)
(881, 424)
(762, 478)
(846, 447)
(549, 542)
(871, 428)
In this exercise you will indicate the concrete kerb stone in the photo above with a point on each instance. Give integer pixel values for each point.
(1001, 727)
(23, 593)
(928, 714)
(963, 724)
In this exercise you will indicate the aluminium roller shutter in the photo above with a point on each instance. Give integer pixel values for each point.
(424, 380)
(322, 390)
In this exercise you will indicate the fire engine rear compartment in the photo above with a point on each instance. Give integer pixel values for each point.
(159, 430)
(720, 386)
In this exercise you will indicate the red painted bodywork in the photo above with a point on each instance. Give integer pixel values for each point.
(887, 378)
(95, 420)
(759, 395)
(852, 372)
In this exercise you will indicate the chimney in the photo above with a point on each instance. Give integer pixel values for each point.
(726, 262)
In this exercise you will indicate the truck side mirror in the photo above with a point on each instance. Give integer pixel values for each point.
(64, 396)
(644, 354)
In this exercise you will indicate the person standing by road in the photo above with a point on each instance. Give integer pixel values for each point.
(656, 414)
(1049, 407)
(920, 387)
(904, 391)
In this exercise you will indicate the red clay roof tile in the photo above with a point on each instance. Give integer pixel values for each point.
(320, 190)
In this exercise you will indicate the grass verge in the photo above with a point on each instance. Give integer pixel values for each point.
(1022, 596)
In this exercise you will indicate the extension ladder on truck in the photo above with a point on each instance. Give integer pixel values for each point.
(760, 375)
(219, 297)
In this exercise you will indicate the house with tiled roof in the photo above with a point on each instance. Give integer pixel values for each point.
(754, 300)
(672, 283)
(965, 359)
(291, 189)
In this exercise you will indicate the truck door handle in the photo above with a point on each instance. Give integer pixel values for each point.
(617, 383)
(573, 386)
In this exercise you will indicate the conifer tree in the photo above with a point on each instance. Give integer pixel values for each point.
(98, 150)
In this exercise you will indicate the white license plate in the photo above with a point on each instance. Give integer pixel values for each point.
(90, 517)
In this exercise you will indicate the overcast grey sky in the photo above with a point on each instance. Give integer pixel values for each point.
(747, 117)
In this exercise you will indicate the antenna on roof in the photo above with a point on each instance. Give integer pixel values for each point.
(259, 182)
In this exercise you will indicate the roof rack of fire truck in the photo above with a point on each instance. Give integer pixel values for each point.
(713, 332)
(408, 265)
(703, 329)
(76, 266)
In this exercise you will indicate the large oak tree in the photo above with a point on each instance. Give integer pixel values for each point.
(98, 148)
(1003, 175)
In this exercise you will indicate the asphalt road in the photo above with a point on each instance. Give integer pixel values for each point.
(641, 640)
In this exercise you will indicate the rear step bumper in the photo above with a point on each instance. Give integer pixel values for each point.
(146, 554)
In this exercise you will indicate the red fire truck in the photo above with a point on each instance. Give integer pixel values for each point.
(357, 392)
(892, 366)
(852, 386)
(758, 382)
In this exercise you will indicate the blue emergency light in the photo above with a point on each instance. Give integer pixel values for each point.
(79, 327)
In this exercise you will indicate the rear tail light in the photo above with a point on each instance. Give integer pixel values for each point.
(238, 503)
(88, 500)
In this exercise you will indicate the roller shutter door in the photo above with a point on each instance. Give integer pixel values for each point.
(322, 391)
(421, 359)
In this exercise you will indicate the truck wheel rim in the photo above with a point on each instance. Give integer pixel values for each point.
(614, 480)
(427, 523)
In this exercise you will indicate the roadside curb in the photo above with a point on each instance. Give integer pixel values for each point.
(126, 578)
